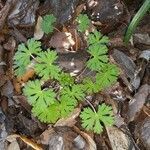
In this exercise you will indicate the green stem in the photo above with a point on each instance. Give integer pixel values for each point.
(135, 21)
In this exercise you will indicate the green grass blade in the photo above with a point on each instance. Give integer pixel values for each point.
(135, 21)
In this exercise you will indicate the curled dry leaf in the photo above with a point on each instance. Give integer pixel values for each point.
(38, 33)
(28, 75)
(141, 38)
(143, 132)
(19, 81)
(70, 120)
(27, 18)
(13, 146)
(3, 77)
(22, 100)
(145, 54)
(128, 67)
(44, 137)
(4, 12)
(90, 143)
(137, 102)
(7, 89)
(79, 142)
(29, 142)
(118, 139)
(62, 41)
(59, 138)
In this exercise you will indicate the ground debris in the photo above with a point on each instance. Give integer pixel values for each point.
(129, 69)
(4, 12)
(23, 14)
(143, 131)
(138, 102)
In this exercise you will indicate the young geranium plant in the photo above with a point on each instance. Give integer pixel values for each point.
(52, 102)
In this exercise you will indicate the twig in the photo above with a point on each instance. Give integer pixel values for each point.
(90, 105)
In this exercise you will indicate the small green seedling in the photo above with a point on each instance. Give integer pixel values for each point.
(83, 22)
(52, 102)
(48, 23)
(92, 120)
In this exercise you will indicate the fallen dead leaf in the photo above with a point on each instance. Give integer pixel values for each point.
(62, 41)
(13, 146)
(91, 145)
(29, 142)
(118, 139)
(146, 110)
(70, 120)
(143, 132)
(28, 75)
(44, 137)
(38, 33)
(137, 103)
(17, 82)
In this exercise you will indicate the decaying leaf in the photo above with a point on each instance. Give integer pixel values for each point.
(62, 41)
(145, 54)
(128, 67)
(143, 132)
(28, 8)
(90, 143)
(137, 102)
(38, 33)
(29, 142)
(13, 146)
(70, 120)
(118, 139)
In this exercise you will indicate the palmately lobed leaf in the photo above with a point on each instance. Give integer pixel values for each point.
(105, 114)
(91, 120)
(97, 49)
(97, 62)
(108, 75)
(84, 22)
(88, 85)
(38, 96)
(74, 92)
(65, 79)
(47, 114)
(97, 38)
(23, 56)
(45, 67)
(48, 23)
(66, 106)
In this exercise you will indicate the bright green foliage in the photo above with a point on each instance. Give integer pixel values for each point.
(93, 120)
(40, 99)
(83, 22)
(104, 78)
(58, 98)
(98, 51)
(99, 57)
(48, 114)
(97, 38)
(47, 23)
(89, 86)
(74, 92)
(38, 96)
(66, 105)
(65, 79)
(24, 55)
(45, 67)
(107, 76)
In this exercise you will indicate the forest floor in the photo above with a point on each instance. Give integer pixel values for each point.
(129, 96)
